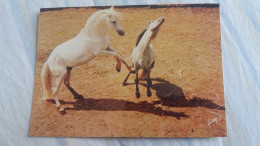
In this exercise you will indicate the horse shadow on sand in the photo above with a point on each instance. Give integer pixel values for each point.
(118, 105)
(172, 96)
(169, 94)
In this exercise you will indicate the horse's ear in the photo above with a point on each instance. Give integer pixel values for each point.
(112, 8)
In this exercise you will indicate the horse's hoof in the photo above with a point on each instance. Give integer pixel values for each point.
(124, 84)
(118, 69)
(62, 111)
(44, 100)
(79, 97)
(137, 95)
(149, 94)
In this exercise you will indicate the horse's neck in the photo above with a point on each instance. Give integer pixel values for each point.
(145, 42)
(94, 31)
(95, 27)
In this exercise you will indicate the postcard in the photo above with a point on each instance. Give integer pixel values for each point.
(129, 71)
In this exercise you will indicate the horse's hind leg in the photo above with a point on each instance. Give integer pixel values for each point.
(149, 83)
(55, 88)
(67, 83)
(152, 65)
(137, 93)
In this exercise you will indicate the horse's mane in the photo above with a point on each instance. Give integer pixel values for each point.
(97, 14)
(112, 12)
(141, 35)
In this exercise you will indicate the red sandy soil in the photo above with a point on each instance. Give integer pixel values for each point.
(188, 95)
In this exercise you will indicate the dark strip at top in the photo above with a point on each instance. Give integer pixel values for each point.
(136, 6)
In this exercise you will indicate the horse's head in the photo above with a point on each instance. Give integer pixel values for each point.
(155, 25)
(113, 20)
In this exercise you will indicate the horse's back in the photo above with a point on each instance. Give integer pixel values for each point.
(70, 53)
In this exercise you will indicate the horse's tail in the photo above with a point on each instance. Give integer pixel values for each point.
(46, 81)
(144, 73)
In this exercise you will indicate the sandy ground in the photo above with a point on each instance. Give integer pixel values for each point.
(188, 95)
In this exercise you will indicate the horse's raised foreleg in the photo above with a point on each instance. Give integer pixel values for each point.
(122, 60)
(124, 83)
(67, 83)
(118, 64)
(137, 93)
(111, 51)
(149, 83)
(55, 88)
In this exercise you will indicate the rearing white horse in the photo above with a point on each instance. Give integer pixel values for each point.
(90, 42)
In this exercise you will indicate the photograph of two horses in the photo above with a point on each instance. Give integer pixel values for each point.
(129, 71)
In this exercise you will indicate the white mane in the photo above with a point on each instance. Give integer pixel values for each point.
(99, 17)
